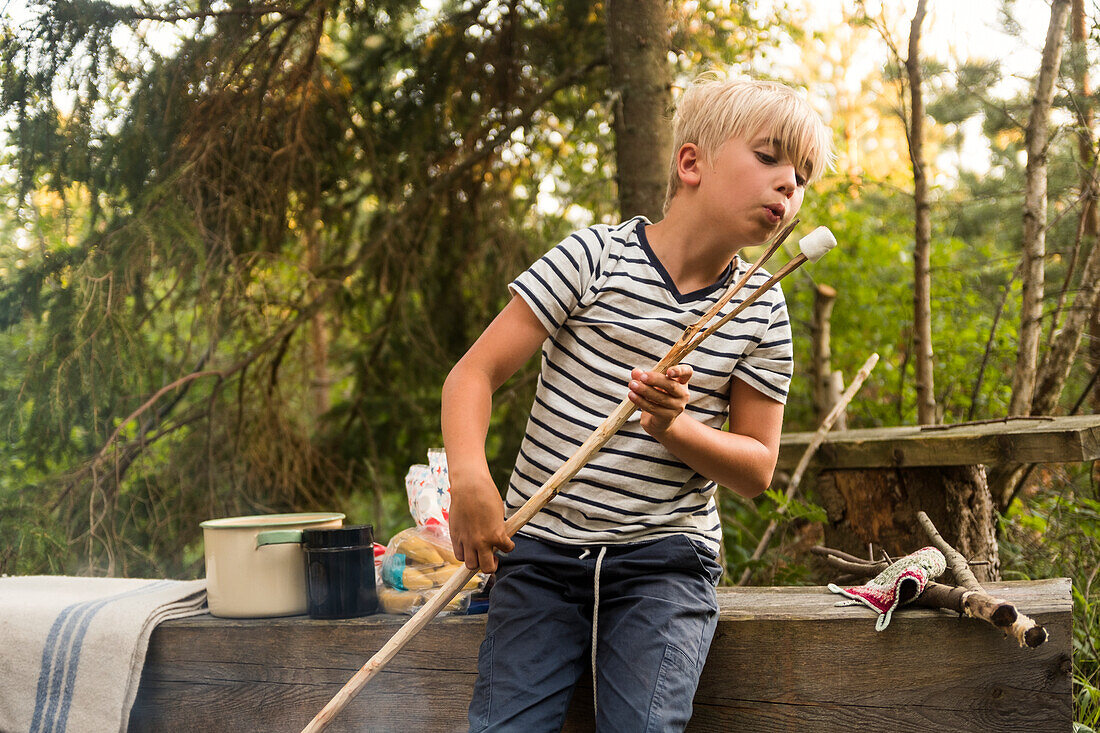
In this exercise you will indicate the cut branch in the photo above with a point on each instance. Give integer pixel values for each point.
(976, 602)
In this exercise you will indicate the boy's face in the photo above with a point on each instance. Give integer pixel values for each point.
(751, 188)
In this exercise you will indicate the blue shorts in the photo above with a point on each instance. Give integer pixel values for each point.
(656, 617)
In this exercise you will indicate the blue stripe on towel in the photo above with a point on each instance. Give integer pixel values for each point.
(61, 655)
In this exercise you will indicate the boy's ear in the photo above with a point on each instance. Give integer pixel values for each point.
(689, 164)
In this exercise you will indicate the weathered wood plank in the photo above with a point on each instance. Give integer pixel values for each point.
(1026, 440)
(783, 659)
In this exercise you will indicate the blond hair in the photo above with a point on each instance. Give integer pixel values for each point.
(713, 110)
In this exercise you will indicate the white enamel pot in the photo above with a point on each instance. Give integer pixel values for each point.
(249, 576)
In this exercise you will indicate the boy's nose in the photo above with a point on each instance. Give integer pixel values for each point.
(788, 182)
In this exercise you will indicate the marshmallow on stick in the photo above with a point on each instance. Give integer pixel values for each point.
(813, 247)
(815, 244)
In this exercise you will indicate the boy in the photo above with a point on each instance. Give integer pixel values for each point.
(622, 562)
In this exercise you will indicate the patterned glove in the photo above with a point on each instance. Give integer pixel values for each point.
(900, 583)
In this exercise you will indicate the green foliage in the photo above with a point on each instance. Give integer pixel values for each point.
(1055, 532)
(791, 509)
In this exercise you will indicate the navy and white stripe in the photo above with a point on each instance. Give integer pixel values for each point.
(61, 658)
(609, 306)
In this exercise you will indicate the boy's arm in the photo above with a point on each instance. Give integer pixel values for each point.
(742, 459)
(477, 513)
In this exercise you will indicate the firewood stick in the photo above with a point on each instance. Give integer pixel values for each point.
(955, 561)
(857, 566)
(850, 564)
(803, 464)
(977, 603)
(688, 341)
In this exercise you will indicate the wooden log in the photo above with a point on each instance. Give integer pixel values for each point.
(783, 659)
(977, 602)
(1069, 439)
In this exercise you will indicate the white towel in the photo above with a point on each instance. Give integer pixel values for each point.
(72, 649)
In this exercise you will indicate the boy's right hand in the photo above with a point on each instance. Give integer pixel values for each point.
(476, 521)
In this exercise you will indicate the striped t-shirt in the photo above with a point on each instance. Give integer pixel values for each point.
(610, 306)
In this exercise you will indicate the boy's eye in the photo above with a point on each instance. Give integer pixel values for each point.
(765, 158)
(800, 180)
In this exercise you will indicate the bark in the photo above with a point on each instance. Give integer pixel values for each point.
(1065, 341)
(1079, 38)
(641, 82)
(1086, 143)
(878, 507)
(922, 231)
(1035, 214)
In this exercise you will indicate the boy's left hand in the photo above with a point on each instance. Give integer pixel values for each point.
(660, 397)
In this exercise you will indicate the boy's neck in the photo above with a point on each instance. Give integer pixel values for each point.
(693, 257)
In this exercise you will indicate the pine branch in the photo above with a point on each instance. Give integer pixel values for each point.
(252, 11)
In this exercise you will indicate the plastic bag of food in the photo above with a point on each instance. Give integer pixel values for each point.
(417, 562)
(429, 490)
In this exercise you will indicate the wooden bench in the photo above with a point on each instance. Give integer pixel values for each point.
(783, 659)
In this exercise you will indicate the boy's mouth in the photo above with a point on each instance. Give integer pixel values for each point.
(776, 211)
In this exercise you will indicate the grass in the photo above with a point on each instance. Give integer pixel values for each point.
(1054, 531)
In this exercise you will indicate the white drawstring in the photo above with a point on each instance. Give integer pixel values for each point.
(595, 617)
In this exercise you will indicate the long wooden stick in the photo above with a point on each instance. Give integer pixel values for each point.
(803, 464)
(688, 341)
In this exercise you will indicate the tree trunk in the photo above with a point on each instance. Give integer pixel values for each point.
(1065, 339)
(922, 232)
(879, 507)
(820, 328)
(1035, 214)
(1086, 143)
(641, 81)
(1059, 361)
(1083, 102)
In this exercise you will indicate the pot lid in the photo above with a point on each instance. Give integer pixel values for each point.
(271, 521)
(356, 535)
